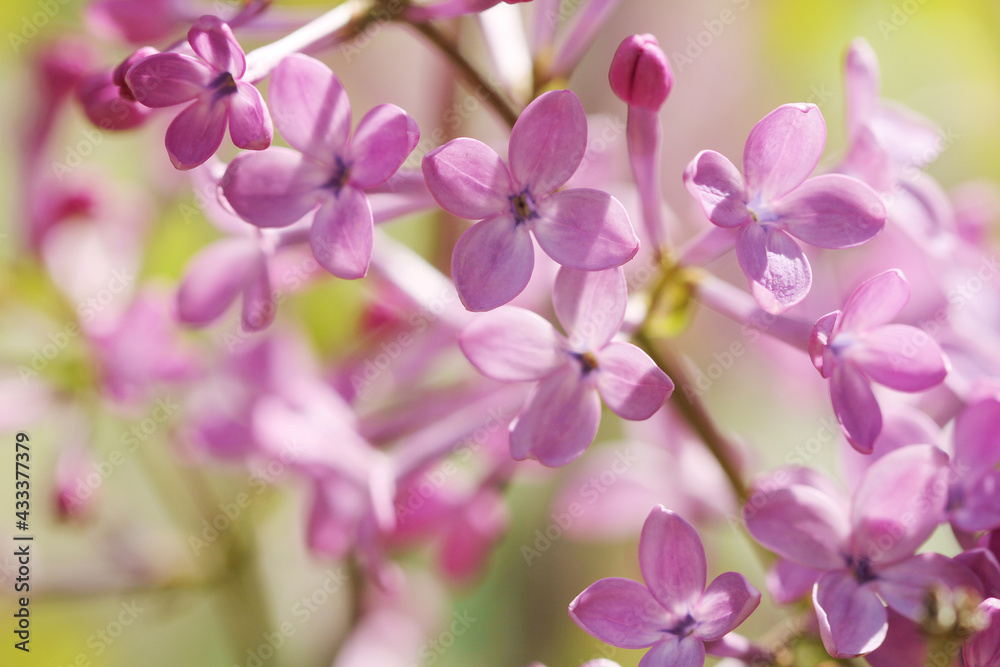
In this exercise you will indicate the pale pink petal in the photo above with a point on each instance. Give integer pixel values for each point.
(620, 612)
(800, 523)
(166, 79)
(249, 122)
(548, 142)
(855, 406)
(310, 108)
(983, 648)
(274, 188)
(590, 305)
(819, 340)
(196, 133)
(492, 263)
(778, 271)
(672, 560)
(726, 603)
(905, 586)
(788, 581)
(977, 435)
(875, 302)
(832, 211)
(214, 278)
(901, 357)
(675, 652)
(382, 142)
(512, 345)
(559, 421)
(214, 43)
(334, 515)
(630, 383)
(468, 179)
(868, 160)
(782, 150)
(718, 186)
(861, 80)
(342, 232)
(852, 620)
(585, 229)
(259, 303)
(912, 140)
(899, 502)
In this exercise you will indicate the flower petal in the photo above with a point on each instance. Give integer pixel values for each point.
(214, 278)
(310, 108)
(548, 141)
(905, 586)
(778, 271)
(259, 304)
(727, 602)
(468, 179)
(590, 305)
(630, 383)
(585, 229)
(196, 133)
(983, 648)
(875, 302)
(212, 39)
(832, 211)
(980, 507)
(782, 150)
(977, 435)
(167, 79)
(852, 620)
(492, 262)
(382, 142)
(342, 234)
(861, 80)
(787, 581)
(675, 652)
(274, 188)
(799, 523)
(249, 122)
(718, 186)
(512, 345)
(672, 560)
(901, 357)
(855, 406)
(620, 612)
(559, 421)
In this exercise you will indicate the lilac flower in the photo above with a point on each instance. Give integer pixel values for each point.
(329, 169)
(856, 346)
(674, 613)
(107, 99)
(212, 83)
(561, 417)
(983, 648)
(579, 227)
(865, 552)
(776, 201)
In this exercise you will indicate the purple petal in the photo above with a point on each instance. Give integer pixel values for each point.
(875, 302)
(310, 108)
(214, 43)
(196, 133)
(214, 278)
(492, 263)
(819, 340)
(548, 142)
(342, 233)
(905, 644)
(832, 211)
(468, 179)
(718, 186)
(980, 506)
(977, 435)
(590, 305)
(167, 79)
(274, 188)
(852, 620)
(672, 560)
(259, 304)
(726, 603)
(675, 652)
(782, 150)
(778, 271)
(901, 357)
(630, 383)
(905, 586)
(855, 406)
(512, 345)
(559, 421)
(787, 581)
(585, 229)
(620, 612)
(801, 524)
(899, 502)
(249, 122)
(382, 142)
(983, 648)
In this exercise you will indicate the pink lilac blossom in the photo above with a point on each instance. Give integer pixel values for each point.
(579, 228)
(983, 648)
(775, 201)
(573, 372)
(108, 101)
(674, 614)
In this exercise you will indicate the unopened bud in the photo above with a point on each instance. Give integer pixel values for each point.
(640, 73)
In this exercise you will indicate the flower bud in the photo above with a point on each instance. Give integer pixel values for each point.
(108, 102)
(640, 73)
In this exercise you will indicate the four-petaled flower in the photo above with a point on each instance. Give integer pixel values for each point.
(778, 201)
(674, 613)
(580, 228)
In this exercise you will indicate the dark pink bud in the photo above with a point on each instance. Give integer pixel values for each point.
(640, 73)
(108, 102)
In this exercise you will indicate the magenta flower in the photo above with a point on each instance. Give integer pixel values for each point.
(775, 202)
(983, 648)
(856, 346)
(640, 73)
(865, 552)
(329, 169)
(674, 613)
(579, 227)
(212, 83)
(107, 99)
(573, 374)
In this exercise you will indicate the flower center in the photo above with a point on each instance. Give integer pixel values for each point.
(522, 206)
(684, 628)
(339, 175)
(587, 361)
(224, 85)
(861, 568)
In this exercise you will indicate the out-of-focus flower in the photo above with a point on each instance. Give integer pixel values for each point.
(108, 101)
